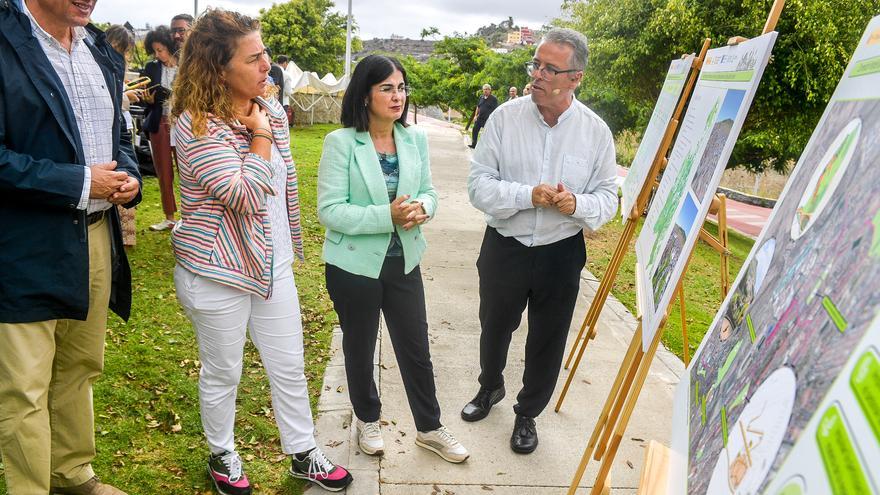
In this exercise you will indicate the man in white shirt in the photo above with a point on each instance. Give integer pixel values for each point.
(545, 170)
(286, 86)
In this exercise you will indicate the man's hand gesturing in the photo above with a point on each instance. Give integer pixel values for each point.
(106, 180)
(564, 200)
(542, 196)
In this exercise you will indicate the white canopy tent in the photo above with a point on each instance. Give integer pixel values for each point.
(309, 92)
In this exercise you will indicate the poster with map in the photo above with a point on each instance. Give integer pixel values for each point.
(719, 104)
(670, 93)
(783, 395)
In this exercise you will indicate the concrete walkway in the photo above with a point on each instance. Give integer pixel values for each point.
(450, 278)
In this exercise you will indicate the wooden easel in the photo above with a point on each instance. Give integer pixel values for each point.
(620, 404)
(655, 473)
(722, 246)
(629, 228)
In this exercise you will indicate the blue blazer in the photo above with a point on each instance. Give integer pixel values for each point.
(153, 115)
(353, 199)
(44, 252)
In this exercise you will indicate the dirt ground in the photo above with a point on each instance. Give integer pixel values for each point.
(766, 185)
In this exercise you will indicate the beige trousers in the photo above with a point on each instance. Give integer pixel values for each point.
(47, 369)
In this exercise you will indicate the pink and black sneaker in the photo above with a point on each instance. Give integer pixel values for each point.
(227, 474)
(315, 467)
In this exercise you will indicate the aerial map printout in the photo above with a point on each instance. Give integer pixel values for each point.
(651, 140)
(721, 99)
(783, 395)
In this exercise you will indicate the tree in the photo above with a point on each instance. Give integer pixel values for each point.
(632, 42)
(308, 32)
(430, 32)
(503, 70)
(454, 75)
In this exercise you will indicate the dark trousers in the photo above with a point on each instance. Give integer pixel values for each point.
(475, 133)
(544, 278)
(401, 298)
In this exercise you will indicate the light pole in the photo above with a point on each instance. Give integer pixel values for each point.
(195, 8)
(347, 41)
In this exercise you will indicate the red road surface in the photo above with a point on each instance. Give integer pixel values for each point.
(743, 218)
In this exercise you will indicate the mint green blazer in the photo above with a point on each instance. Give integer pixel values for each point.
(353, 199)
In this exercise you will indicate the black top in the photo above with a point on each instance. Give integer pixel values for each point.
(153, 70)
(487, 105)
(277, 74)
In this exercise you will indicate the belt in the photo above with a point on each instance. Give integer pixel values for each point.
(95, 217)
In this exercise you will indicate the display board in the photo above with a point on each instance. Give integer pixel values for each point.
(783, 395)
(653, 136)
(715, 115)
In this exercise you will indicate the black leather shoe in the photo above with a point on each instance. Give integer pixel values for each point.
(525, 435)
(478, 408)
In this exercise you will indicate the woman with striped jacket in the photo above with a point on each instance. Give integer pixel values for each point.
(236, 243)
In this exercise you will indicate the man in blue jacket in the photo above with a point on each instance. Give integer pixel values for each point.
(65, 161)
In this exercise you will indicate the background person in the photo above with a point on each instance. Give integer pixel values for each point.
(180, 27)
(236, 242)
(64, 163)
(277, 74)
(287, 89)
(485, 106)
(161, 71)
(373, 246)
(122, 40)
(511, 93)
(527, 89)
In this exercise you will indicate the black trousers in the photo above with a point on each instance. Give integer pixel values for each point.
(544, 278)
(475, 132)
(401, 298)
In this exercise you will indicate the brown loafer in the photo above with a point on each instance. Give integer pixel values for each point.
(91, 487)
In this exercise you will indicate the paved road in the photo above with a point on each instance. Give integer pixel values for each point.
(451, 286)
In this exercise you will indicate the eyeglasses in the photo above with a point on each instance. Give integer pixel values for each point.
(388, 90)
(533, 68)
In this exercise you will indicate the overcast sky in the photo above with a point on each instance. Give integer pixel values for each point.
(375, 18)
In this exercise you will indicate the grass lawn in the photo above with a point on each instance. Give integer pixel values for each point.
(702, 280)
(149, 435)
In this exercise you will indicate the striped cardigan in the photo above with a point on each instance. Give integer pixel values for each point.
(225, 233)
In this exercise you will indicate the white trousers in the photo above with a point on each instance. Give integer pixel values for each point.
(221, 316)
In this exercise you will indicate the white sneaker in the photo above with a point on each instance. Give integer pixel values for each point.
(370, 438)
(163, 225)
(442, 443)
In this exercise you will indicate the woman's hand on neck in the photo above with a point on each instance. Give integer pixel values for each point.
(241, 106)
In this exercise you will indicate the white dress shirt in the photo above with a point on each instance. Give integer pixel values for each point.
(92, 104)
(519, 150)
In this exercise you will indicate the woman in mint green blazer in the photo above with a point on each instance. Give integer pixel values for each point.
(374, 194)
